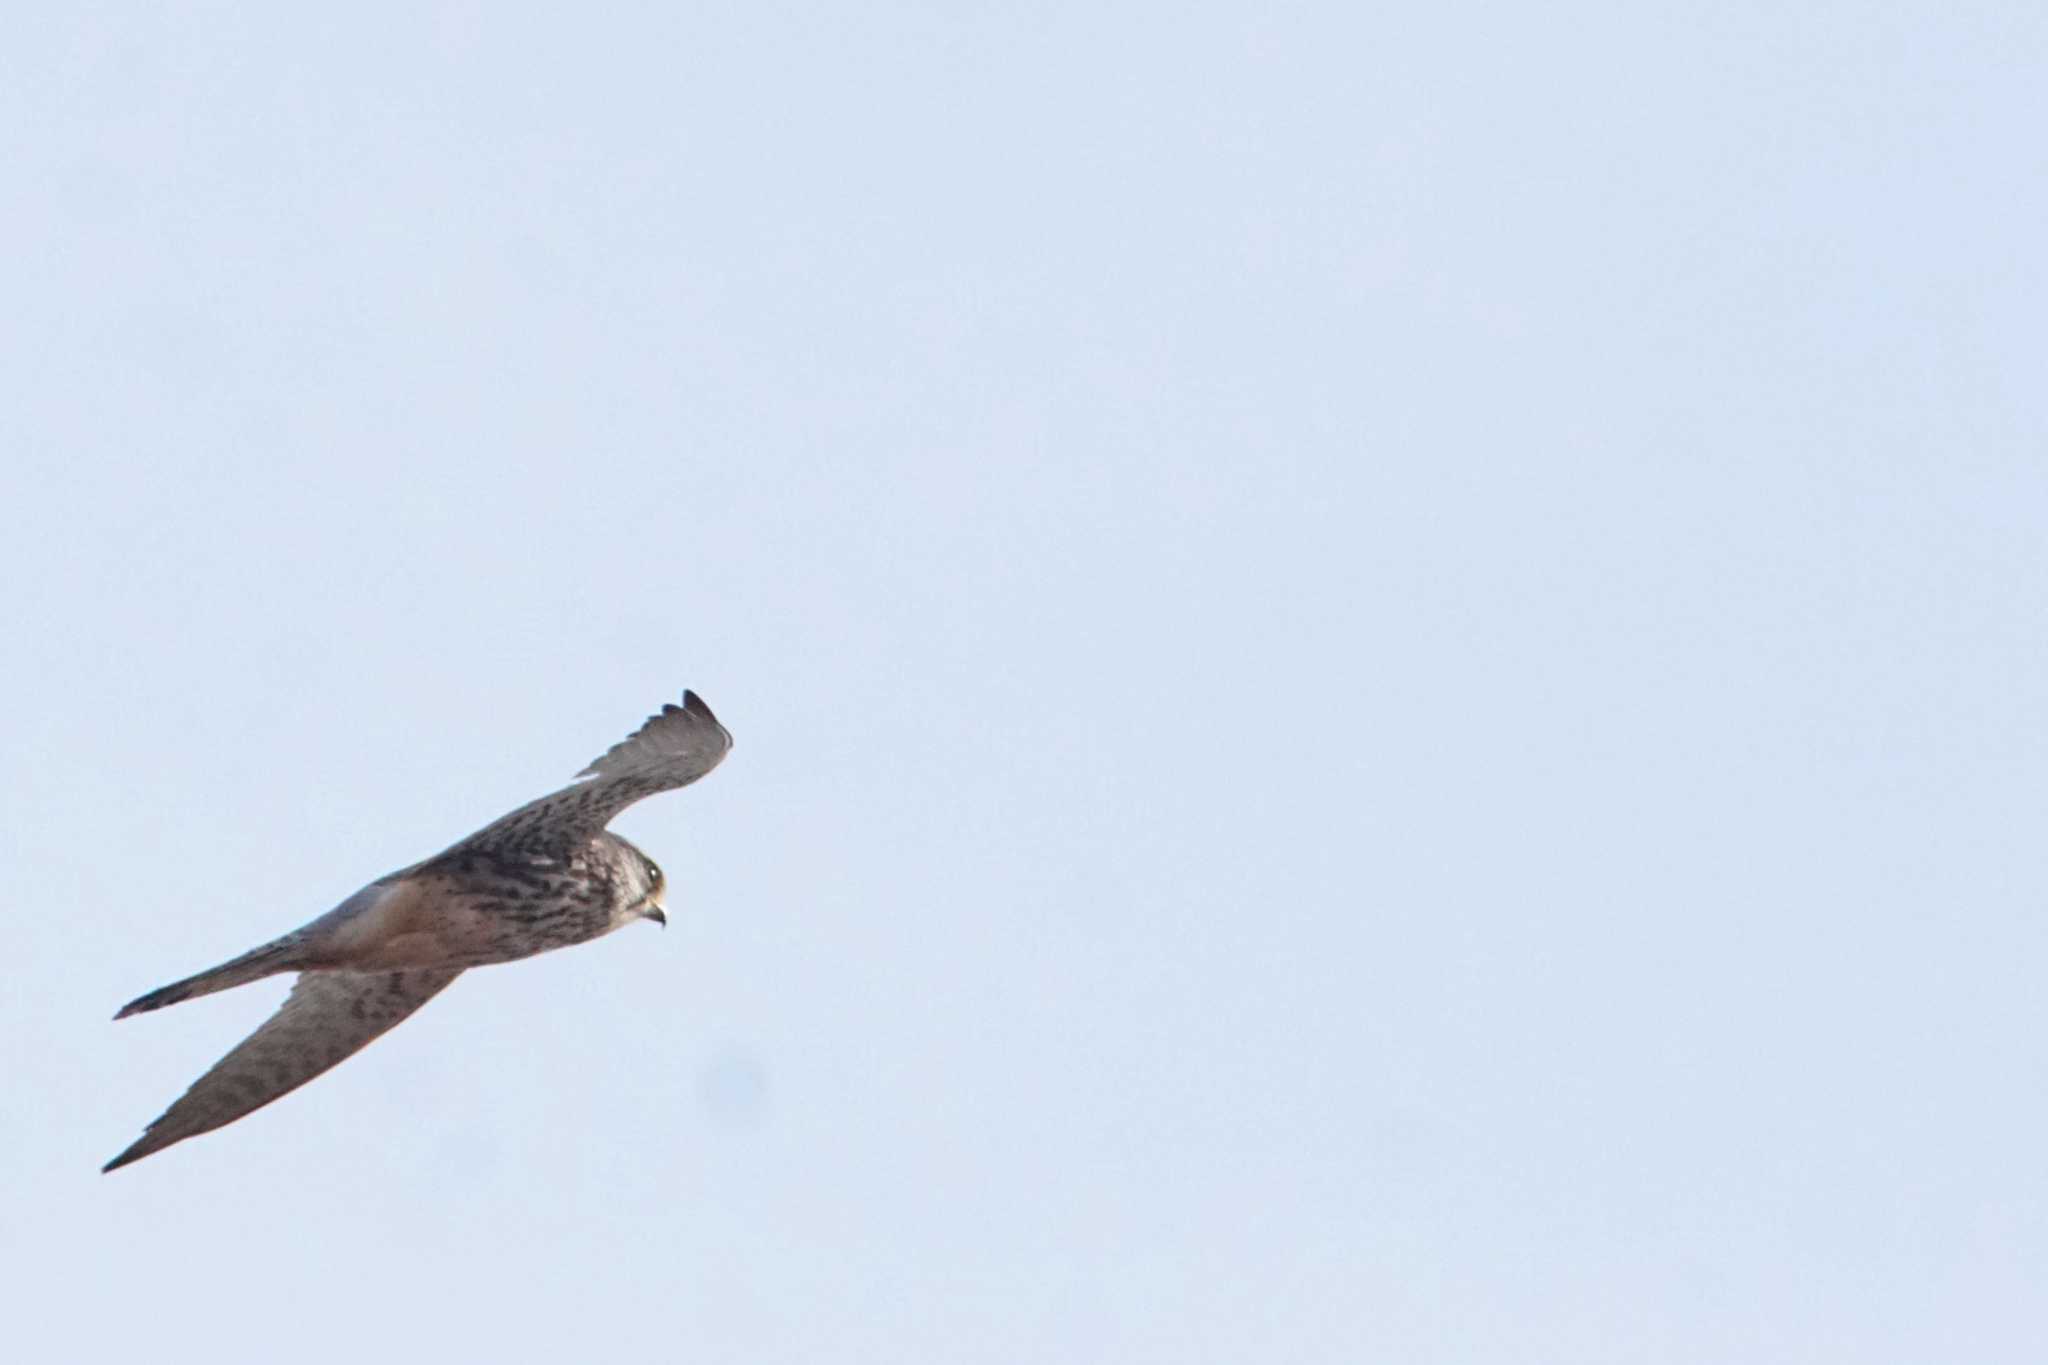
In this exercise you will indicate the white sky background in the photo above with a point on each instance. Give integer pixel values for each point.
(1388, 667)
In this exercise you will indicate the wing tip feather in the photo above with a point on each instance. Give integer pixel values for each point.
(136, 1150)
(693, 706)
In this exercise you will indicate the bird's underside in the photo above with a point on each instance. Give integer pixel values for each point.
(542, 877)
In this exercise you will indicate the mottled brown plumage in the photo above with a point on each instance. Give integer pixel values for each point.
(545, 876)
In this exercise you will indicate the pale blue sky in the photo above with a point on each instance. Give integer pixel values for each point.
(1388, 666)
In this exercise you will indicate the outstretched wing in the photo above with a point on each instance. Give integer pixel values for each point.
(674, 748)
(328, 1016)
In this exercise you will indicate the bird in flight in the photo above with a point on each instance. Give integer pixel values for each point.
(545, 876)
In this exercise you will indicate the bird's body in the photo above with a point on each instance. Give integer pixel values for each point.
(546, 876)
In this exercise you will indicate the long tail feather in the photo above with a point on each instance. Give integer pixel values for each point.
(272, 958)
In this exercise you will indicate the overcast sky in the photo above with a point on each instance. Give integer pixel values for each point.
(1390, 668)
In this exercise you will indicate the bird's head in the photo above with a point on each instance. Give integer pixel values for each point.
(654, 899)
(642, 889)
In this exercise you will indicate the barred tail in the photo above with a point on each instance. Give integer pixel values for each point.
(272, 958)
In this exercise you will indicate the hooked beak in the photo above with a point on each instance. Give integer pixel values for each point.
(655, 913)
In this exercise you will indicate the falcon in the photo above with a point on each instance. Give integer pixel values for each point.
(543, 877)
